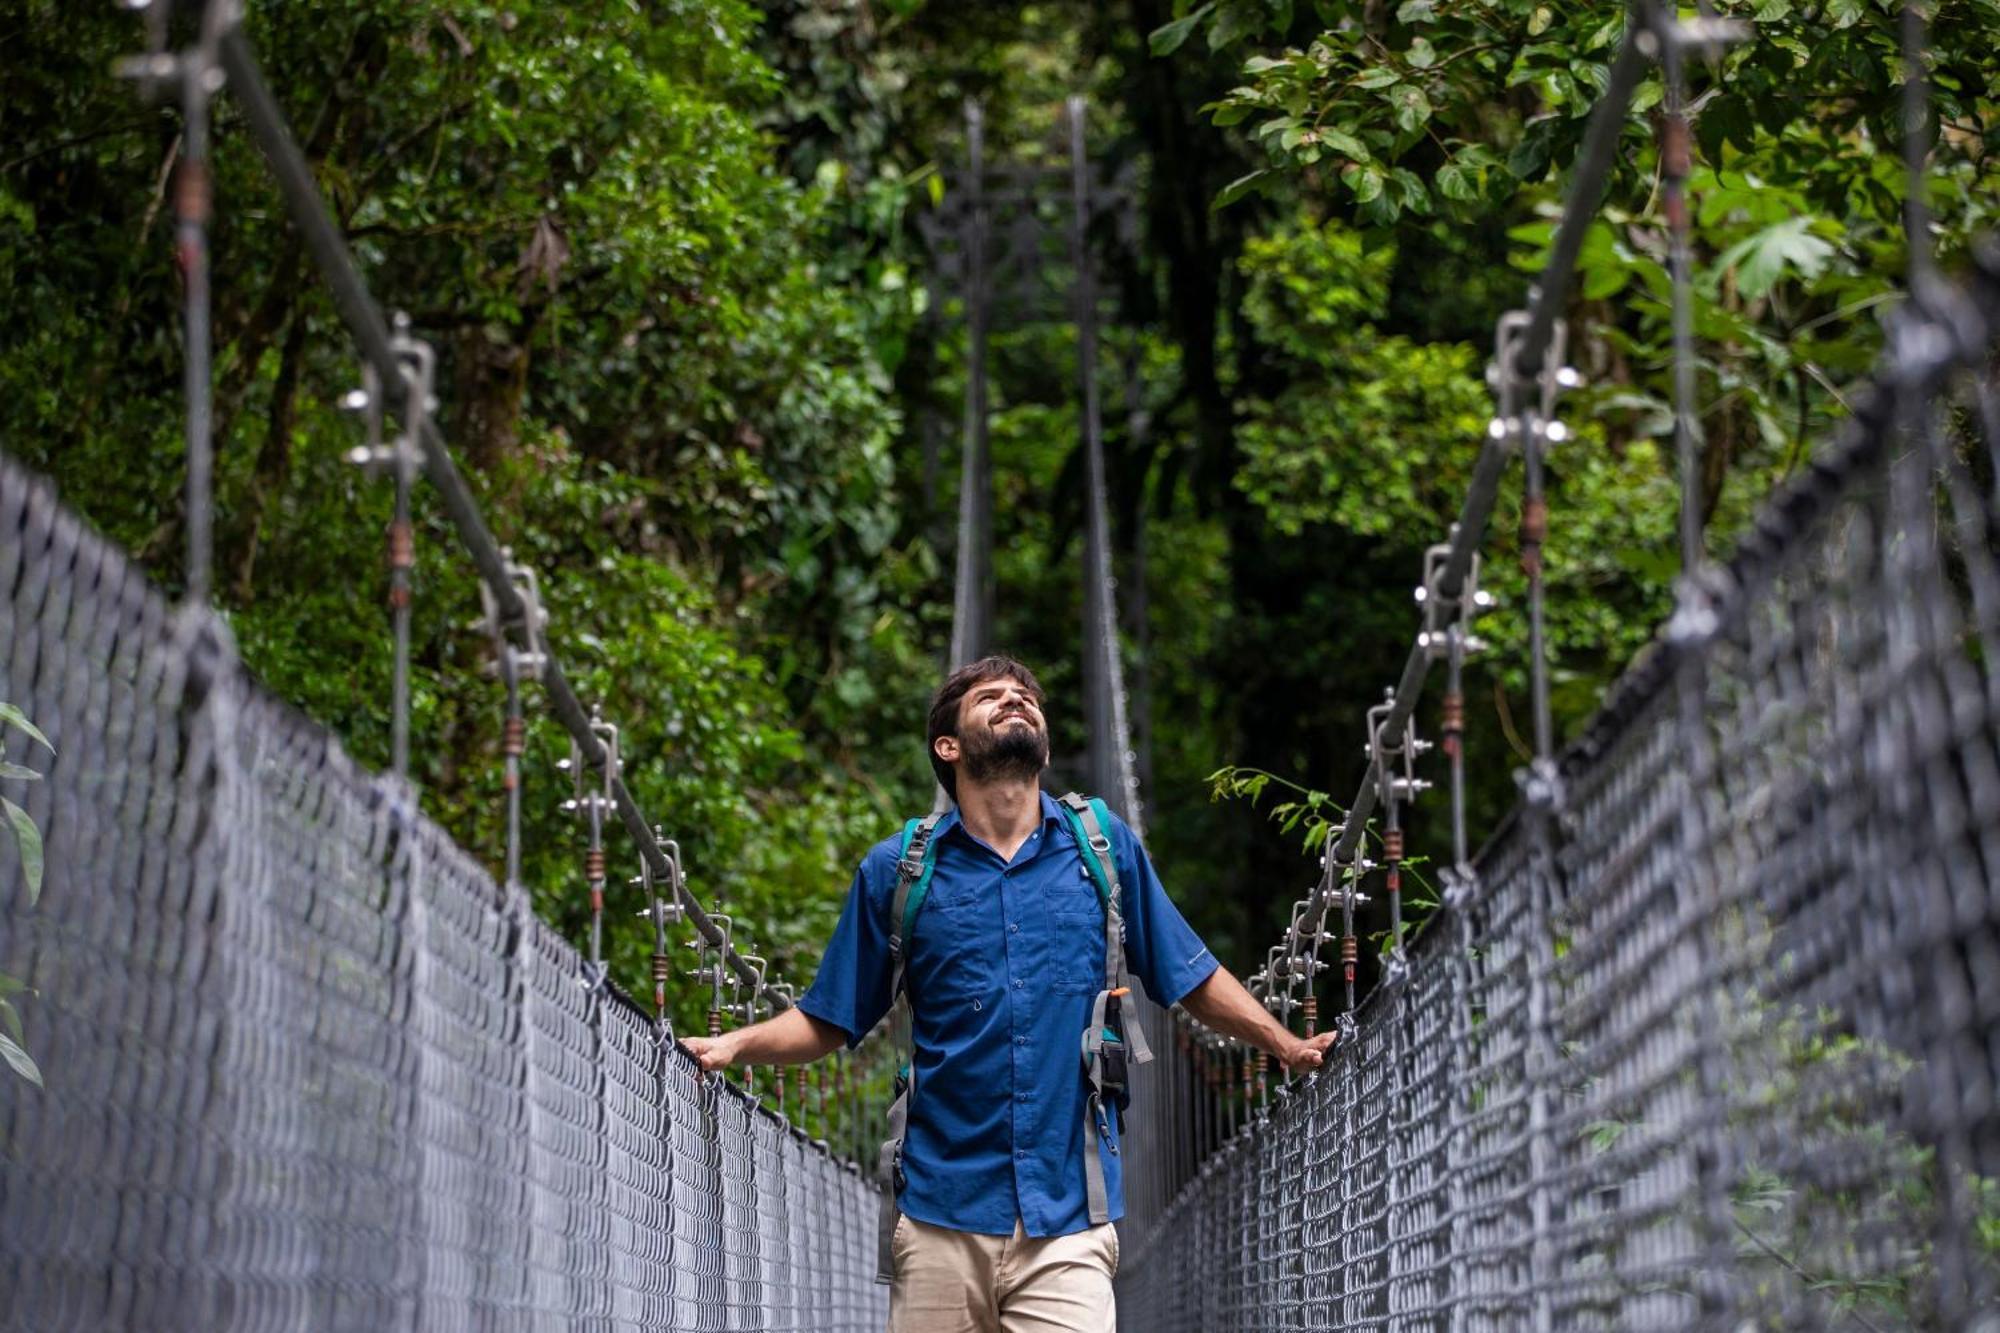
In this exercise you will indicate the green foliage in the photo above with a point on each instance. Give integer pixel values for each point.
(1315, 818)
(671, 393)
(1375, 434)
(689, 358)
(1448, 106)
(1853, 1232)
(1462, 110)
(1311, 814)
(1393, 157)
(1836, 1094)
(28, 846)
(27, 837)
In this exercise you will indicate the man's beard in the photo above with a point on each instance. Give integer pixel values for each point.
(1006, 753)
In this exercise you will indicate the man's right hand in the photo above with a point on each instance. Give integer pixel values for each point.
(713, 1053)
(792, 1038)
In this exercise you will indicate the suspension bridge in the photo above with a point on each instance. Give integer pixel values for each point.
(1702, 1036)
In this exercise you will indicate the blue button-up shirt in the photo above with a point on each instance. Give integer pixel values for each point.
(1003, 963)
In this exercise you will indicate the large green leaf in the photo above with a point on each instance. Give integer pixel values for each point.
(1340, 141)
(1366, 182)
(1762, 258)
(1412, 108)
(21, 1062)
(9, 713)
(1168, 37)
(30, 839)
(1240, 187)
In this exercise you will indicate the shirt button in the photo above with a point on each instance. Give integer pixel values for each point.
(1020, 1041)
(1021, 1153)
(1014, 926)
(1018, 983)
(1020, 1096)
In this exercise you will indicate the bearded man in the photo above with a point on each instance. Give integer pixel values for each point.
(1005, 1182)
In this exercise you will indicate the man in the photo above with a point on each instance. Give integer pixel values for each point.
(1004, 961)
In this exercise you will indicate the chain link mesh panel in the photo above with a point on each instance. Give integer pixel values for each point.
(307, 1066)
(1712, 1038)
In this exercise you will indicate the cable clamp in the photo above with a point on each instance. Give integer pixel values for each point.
(418, 362)
(1705, 35)
(1527, 402)
(1694, 621)
(602, 801)
(1461, 885)
(159, 68)
(1448, 614)
(748, 1009)
(1395, 763)
(372, 456)
(1541, 786)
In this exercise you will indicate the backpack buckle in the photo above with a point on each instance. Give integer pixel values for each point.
(1097, 1113)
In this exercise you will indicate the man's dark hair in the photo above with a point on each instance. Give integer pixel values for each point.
(944, 705)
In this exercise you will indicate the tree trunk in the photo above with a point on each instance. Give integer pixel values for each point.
(274, 459)
(490, 375)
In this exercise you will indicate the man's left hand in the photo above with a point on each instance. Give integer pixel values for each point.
(1307, 1054)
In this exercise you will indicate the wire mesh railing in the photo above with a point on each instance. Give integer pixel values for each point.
(1730, 1071)
(1703, 1037)
(308, 1066)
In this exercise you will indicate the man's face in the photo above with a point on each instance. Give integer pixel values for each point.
(1001, 733)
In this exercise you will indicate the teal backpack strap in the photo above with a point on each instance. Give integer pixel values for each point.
(913, 880)
(1114, 1040)
(1093, 844)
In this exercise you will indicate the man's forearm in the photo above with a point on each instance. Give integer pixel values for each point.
(792, 1038)
(1223, 1004)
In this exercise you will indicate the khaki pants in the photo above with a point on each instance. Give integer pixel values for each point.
(962, 1282)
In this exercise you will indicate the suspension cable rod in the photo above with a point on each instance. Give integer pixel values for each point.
(365, 324)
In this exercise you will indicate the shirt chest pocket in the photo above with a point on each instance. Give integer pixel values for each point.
(1076, 932)
(957, 939)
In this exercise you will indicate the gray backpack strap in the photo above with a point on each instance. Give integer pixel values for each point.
(889, 1166)
(1096, 1119)
(1114, 1040)
(912, 871)
(1098, 858)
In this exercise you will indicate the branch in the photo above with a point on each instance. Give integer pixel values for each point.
(74, 141)
(1788, 1262)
